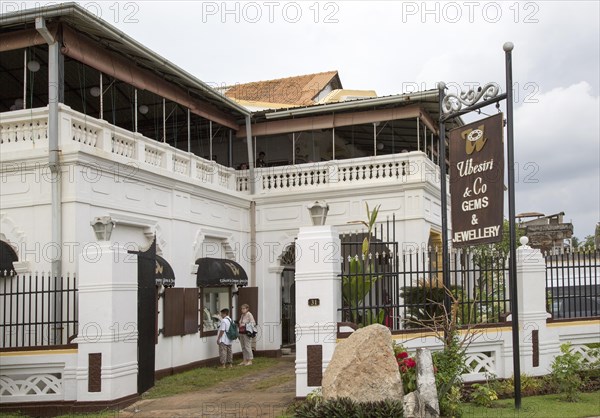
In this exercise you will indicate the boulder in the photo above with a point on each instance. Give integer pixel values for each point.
(363, 367)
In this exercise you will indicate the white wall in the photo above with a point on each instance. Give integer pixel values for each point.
(188, 210)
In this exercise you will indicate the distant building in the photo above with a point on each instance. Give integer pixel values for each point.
(547, 233)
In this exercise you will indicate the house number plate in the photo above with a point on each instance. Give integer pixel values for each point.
(314, 302)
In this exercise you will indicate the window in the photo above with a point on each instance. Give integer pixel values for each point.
(180, 307)
(212, 300)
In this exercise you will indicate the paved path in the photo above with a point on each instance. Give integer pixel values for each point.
(266, 393)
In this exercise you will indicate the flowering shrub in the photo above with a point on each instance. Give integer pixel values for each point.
(408, 368)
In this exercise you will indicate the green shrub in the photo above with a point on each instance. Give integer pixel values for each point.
(483, 395)
(425, 302)
(346, 408)
(566, 370)
(504, 388)
(450, 365)
(451, 405)
(531, 385)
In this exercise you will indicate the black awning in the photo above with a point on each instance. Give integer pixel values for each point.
(164, 274)
(220, 272)
(7, 257)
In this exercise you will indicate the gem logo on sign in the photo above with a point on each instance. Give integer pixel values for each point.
(233, 268)
(475, 140)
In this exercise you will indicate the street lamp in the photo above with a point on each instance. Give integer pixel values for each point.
(318, 212)
(103, 226)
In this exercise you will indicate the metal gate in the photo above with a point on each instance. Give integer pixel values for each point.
(146, 317)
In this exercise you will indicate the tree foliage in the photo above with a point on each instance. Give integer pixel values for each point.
(361, 278)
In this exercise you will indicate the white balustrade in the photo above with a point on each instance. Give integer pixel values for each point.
(181, 164)
(410, 167)
(205, 170)
(122, 145)
(153, 155)
(241, 181)
(25, 129)
(84, 133)
(225, 176)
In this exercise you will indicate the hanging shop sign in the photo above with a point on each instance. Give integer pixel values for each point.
(163, 273)
(477, 182)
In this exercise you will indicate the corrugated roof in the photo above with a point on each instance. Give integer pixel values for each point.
(295, 91)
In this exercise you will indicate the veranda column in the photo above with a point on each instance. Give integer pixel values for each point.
(538, 344)
(107, 340)
(318, 297)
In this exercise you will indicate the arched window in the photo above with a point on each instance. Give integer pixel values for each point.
(7, 257)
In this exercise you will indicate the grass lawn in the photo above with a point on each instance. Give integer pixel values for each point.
(189, 381)
(203, 377)
(546, 406)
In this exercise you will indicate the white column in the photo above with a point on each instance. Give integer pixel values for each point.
(531, 283)
(271, 338)
(107, 320)
(318, 297)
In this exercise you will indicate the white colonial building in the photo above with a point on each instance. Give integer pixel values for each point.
(132, 211)
(97, 131)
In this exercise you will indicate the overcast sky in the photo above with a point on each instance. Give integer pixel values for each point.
(395, 47)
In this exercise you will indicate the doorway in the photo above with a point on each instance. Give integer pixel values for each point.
(288, 308)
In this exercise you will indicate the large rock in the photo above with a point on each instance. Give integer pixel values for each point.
(363, 367)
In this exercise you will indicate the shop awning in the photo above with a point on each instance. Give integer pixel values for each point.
(220, 272)
(7, 257)
(164, 274)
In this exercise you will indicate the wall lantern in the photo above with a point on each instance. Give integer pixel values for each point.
(318, 212)
(103, 226)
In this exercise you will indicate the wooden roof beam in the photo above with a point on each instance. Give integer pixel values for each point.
(337, 120)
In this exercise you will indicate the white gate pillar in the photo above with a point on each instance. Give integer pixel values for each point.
(538, 345)
(107, 365)
(318, 298)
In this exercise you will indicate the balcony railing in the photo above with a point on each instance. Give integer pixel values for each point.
(24, 130)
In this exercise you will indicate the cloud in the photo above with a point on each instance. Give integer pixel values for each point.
(557, 151)
(391, 46)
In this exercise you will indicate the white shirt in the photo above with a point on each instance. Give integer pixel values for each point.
(225, 324)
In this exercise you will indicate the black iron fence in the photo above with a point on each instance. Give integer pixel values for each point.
(370, 281)
(573, 284)
(37, 310)
(403, 288)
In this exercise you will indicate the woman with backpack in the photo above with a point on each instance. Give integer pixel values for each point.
(247, 326)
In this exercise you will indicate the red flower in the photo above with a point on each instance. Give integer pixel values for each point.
(410, 363)
(403, 354)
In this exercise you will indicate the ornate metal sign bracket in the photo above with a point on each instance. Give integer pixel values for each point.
(452, 105)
